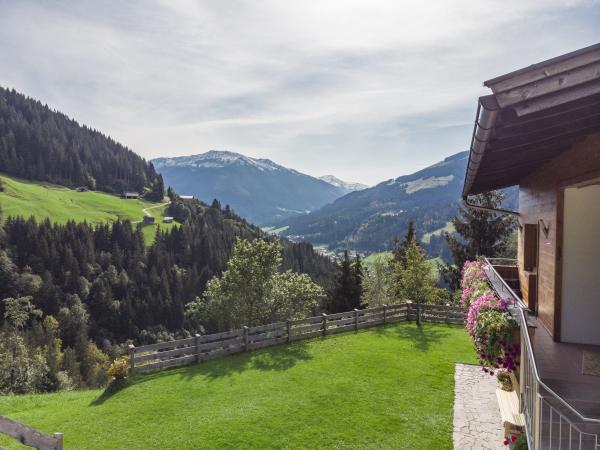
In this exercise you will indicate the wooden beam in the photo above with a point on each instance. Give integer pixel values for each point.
(557, 98)
(546, 120)
(544, 69)
(555, 128)
(524, 144)
(550, 84)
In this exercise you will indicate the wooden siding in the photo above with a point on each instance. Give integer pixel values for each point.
(541, 198)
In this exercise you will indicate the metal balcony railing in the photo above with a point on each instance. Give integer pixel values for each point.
(550, 422)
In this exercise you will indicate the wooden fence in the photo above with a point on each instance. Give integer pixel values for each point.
(30, 437)
(201, 348)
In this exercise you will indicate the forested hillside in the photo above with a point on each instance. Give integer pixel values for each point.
(38, 143)
(86, 290)
(370, 219)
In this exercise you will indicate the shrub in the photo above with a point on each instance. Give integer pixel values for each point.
(505, 380)
(119, 368)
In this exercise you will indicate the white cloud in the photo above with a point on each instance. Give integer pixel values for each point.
(367, 90)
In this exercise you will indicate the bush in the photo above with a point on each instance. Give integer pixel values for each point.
(505, 380)
(119, 368)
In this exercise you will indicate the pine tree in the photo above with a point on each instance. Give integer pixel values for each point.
(357, 274)
(480, 233)
(399, 250)
(347, 291)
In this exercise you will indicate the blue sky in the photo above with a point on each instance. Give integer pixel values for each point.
(365, 90)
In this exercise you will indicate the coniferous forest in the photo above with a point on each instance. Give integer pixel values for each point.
(37, 143)
(88, 290)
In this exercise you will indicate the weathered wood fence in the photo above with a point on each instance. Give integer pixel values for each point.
(30, 437)
(201, 348)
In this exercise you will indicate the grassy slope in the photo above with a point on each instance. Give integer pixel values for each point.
(387, 387)
(27, 198)
(369, 260)
(448, 228)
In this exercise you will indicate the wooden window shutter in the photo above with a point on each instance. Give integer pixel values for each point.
(530, 246)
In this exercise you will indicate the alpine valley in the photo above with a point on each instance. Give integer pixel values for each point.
(368, 220)
(259, 190)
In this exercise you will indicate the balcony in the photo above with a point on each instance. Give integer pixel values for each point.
(560, 401)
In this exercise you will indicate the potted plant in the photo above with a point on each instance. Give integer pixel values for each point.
(516, 442)
(118, 368)
(505, 380)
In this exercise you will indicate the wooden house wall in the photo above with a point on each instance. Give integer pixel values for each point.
(541, 197)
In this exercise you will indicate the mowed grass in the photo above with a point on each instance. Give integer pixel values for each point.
(60, 204)
(386, 387)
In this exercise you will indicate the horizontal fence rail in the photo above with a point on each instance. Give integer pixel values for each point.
(201, 348)
(30, 437)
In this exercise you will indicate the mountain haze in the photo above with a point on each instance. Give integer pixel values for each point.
(259, 190)
(345, 185)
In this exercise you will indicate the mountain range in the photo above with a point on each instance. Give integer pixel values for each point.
(368, 220)
(259, 190)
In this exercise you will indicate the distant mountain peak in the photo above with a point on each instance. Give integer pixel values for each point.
(348, 186)
(258, 189)
(217, 158)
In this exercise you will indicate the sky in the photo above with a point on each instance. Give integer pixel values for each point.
(364, 90)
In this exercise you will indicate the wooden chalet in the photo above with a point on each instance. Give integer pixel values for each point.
(540, 129)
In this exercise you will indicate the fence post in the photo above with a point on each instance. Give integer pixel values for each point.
(418, 313)
(197, 336)
(355, 319)
(131, 356)
(384, 314)
(245, 338)
(59, 441)
(324, 321)
(288, 326)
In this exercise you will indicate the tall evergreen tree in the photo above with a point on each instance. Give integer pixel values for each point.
(478, 233)
(347, 290)
(357, 274)
(400, 246)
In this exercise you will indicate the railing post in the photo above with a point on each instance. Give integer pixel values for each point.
(324, 323)
(355, 319)
(59, 441)
(288, 326)
(131, 351)
(384, 314)
(197, 341)
(537, 421)
(245, 338)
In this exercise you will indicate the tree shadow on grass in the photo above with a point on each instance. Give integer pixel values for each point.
(277, 358)
(423, 336)
(113, 388)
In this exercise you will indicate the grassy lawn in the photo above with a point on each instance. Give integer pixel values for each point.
(60, 204)
(386, 387)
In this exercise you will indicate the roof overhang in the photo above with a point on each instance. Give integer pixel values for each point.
(533, 115)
